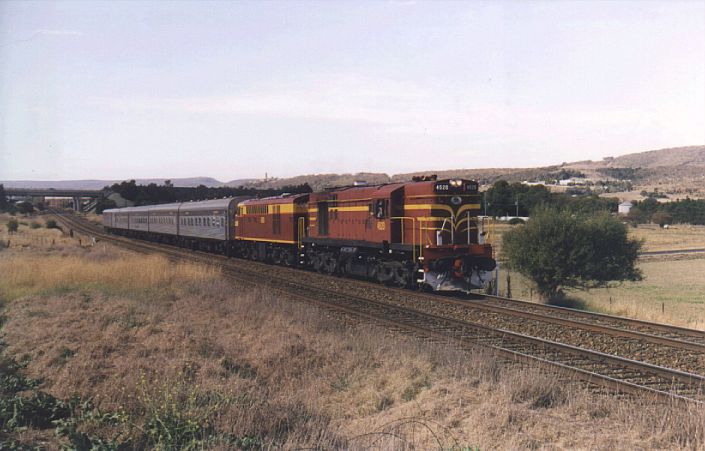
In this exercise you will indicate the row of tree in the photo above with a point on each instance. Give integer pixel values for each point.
(161, 194)
(687, 211)
(13, 208)
(518, 199)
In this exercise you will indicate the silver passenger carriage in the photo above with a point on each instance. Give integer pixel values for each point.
(139, 218)
(209, 219)
(109, 217)
(163, 219)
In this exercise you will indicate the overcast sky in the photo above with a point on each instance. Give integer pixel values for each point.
(236, 89)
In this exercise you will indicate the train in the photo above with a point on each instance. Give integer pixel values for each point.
(425, 233)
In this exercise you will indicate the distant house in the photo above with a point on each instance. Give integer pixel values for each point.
(120, 201)
(573, 181)
(624, 208)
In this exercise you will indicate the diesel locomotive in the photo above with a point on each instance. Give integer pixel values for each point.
(419, 234)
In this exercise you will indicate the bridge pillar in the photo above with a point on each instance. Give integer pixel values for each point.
(77, 203)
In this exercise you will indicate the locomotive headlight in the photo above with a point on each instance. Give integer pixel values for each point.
(456, 182)
(456, 200)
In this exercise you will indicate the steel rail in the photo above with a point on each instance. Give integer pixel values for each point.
(676, 333)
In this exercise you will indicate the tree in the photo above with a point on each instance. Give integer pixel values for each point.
(662, 218)
(557, 249)
(635, 216)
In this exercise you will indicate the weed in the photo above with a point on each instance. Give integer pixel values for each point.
(243, 370)
(51, 224)
(12, 225)
(383, 403)
(410, 392)
(64, 355)
(341, 383)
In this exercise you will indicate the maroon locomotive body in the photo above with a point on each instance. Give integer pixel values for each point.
(271, 229)
(416, 233)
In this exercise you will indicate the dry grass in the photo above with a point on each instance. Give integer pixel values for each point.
(241, 366)
(25, 275)
(45, 261)
(28, 238)
(674, 238)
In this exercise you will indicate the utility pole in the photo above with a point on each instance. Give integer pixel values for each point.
(517, 204)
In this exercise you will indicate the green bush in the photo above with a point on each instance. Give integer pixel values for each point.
(51, 224)
(558, 248)
(35, 225)
(12, 225)
(515, 221)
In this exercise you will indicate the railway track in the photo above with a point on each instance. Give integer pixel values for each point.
(658, 333)
(616, 373)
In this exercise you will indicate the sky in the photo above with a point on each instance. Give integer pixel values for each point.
(232, 90)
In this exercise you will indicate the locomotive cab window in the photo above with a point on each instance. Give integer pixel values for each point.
(380, 208)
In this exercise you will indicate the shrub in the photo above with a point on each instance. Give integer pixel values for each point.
(12, 225)
(51, 224)
(515, 221)
(35, 225)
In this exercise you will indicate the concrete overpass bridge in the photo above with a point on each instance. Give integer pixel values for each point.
(81, 199)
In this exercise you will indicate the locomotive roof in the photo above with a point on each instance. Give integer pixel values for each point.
(287, 199)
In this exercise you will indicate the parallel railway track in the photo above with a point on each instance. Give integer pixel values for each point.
(616, 373)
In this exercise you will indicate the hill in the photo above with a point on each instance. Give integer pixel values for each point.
(679, 170)
(99, 184)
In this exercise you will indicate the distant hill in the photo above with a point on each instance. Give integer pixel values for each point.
(676, 156)
(99, 184)
(679, 169)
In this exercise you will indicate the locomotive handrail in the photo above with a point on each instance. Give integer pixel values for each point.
(300, 232)
(442, 228)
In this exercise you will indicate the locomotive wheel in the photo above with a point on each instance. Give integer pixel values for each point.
(329, 264)
(401, 277)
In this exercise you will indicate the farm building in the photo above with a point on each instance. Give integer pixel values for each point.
(624, 208)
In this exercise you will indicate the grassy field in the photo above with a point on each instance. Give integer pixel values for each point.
(674, 238)
(175, 356)
(672, 292)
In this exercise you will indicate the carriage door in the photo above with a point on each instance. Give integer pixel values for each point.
(322, 218)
